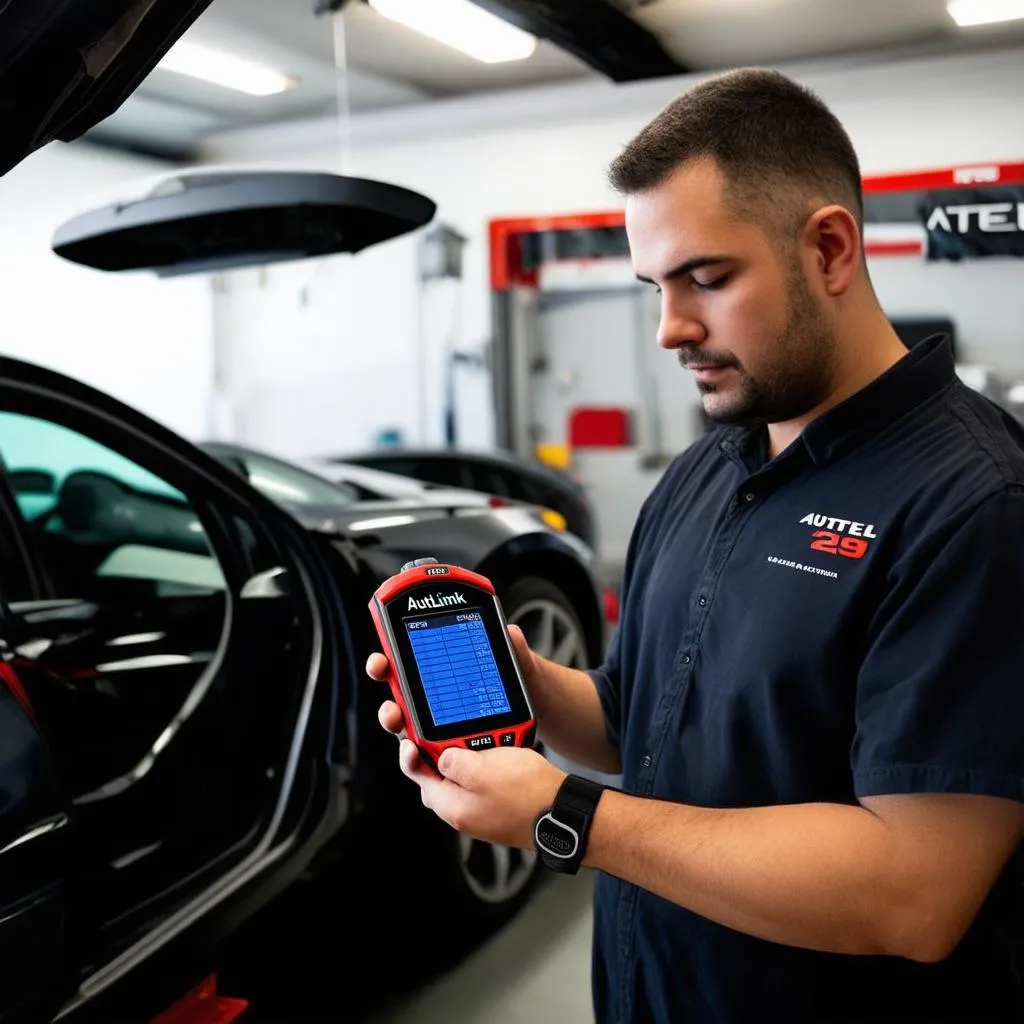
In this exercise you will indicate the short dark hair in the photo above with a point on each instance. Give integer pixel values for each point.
(777, 144)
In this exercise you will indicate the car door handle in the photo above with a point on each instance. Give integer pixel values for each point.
(269, 584)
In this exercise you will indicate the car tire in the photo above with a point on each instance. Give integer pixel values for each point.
(547, 618)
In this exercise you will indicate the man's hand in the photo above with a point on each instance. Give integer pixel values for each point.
(493, 795)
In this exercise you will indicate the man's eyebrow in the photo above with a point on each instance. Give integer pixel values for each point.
(687, 267)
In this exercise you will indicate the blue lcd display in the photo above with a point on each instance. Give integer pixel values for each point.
(457, 669)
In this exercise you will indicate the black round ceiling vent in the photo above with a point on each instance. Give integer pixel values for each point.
(208, 221)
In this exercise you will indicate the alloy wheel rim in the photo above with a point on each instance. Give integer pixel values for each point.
(550, 632)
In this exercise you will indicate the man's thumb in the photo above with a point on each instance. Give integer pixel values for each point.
(456, 765)
(522, 648)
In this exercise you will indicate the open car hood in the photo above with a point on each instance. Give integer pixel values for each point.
(208, 220)
(66, 65)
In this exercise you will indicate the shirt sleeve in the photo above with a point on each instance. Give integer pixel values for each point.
(607, 681)
(940, 694)
(607, 677)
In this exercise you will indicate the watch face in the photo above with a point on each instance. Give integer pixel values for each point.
(556, 839)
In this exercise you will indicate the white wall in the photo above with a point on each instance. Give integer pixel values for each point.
(145, 341)
(328, 353)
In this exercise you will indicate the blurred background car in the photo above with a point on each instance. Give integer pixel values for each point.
(493, 472)
(306, 480)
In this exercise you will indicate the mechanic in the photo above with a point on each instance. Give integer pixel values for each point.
(815, 695)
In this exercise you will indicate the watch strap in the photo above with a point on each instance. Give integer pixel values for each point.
(561, 832)
(578, 795)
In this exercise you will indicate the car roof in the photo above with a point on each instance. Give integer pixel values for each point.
(387, 485)
(487, 456)
(382, 480)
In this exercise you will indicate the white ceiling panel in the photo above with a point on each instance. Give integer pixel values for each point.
(710, 34)
(374, 63)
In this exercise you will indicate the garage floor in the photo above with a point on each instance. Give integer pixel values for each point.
(536, 968)
(319, 958)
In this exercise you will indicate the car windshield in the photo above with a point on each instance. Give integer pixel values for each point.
(284, 482)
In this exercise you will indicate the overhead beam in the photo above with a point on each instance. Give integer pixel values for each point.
(595, 32)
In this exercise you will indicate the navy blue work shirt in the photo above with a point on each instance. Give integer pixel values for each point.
(841, 621)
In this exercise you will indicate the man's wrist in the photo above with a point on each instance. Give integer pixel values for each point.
(561, 831)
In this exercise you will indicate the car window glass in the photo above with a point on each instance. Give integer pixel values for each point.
(293, 486)
(488, 481)
(512, 485)
(448, 472)
(95, 517)
(530, 490)
(404, 467)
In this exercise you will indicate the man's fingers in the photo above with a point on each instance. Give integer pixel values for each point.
(523, 653)
(409, 759)
(390, 717)
(458, 766)
(377, 667)
(416, 768)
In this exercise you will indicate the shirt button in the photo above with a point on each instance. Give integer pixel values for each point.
(749, 497)
(702, 602)
(686, 659)
(647, 761)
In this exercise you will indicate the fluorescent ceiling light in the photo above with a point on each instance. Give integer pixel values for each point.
(463, 26)
(984, 12)
(225, 69)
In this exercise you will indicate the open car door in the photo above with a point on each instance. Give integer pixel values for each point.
(183, 653)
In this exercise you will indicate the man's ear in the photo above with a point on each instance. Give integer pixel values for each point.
(832, 236)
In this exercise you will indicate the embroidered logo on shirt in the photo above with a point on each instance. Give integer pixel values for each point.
(842, 537)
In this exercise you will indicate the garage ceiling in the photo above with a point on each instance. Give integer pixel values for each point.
(386, 64)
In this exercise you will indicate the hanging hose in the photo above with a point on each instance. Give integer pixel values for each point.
(344, 98)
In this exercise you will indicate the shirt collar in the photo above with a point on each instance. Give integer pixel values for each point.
(923, 372)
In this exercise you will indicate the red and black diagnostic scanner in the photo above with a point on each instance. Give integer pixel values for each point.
(453, 670)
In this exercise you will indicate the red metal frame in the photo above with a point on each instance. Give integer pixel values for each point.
(506, 267)
(963, 176)
(893, 247)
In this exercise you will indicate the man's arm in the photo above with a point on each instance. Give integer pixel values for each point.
(897, 875)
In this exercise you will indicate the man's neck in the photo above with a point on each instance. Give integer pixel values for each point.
(865, 355)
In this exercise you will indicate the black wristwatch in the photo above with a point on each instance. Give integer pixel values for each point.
(560, 833)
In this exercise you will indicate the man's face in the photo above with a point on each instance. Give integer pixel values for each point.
(741, 318)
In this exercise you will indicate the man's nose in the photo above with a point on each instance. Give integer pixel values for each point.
(678, 327)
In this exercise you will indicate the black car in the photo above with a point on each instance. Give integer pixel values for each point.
(492, 472)
(186, 721)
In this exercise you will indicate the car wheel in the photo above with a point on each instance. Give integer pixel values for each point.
(547, 619)
(482, 884)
